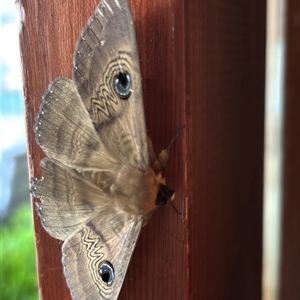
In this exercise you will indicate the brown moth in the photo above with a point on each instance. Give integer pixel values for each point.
(101, 180)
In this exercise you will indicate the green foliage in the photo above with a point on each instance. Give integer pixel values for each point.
(17, 257)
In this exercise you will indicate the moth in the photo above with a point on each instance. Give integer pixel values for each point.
(101, 179)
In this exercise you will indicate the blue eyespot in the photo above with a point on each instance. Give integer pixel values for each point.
(107, 272)
(122, 85)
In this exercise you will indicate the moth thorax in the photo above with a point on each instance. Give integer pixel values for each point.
(138, 189)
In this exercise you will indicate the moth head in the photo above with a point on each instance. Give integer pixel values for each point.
(164, 195)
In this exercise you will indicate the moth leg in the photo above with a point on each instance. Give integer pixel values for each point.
(163, 158)
(147, 218)
(159, 164)
(152, 156)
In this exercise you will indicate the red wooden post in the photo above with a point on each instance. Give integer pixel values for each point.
(202, 65)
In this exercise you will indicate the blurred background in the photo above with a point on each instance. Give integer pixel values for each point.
(18, 275)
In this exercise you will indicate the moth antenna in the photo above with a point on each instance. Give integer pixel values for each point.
(175, 137)
(175, 209)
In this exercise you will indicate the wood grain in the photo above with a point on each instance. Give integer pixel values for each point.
(225, 113)
(202, 65)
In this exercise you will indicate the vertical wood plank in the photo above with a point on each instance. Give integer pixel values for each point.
(47, 38)
(225, 57)
(290, 246)
(202, 65)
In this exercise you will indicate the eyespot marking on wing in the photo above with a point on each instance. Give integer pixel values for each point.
(114, 86)
(107, 272)
(122, 85)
